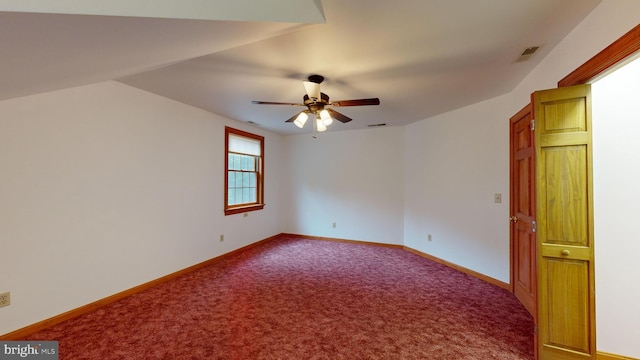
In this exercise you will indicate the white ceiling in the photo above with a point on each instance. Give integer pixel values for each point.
(420, 57)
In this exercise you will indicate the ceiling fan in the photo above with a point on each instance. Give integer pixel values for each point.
(318, 103)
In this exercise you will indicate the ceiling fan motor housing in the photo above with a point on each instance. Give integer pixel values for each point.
(318, 79)
(316, 105)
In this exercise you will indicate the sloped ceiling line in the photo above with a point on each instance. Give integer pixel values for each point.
(286, 11)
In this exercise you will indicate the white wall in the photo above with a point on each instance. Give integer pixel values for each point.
(105, 187)
(616, 177)
(352, 178)
(455, 163)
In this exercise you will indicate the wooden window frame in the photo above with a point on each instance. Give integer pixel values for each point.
(259, 204)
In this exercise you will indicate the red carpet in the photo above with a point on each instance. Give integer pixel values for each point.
(293, 298)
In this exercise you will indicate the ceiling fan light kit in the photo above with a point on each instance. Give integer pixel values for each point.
(315, 101)
(301, 119)
(320, 125)
(326, 118)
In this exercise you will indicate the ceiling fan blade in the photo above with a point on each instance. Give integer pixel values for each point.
(275, 103)
(294, 117)
(356, 102)
(338, 116)
(313, 89)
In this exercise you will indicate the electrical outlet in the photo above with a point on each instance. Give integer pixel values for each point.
(497, 198)
(221, 237)
(5, 299)
(429, 237)
(334, 225)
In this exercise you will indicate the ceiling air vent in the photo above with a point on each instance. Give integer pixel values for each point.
(526, 54)
(529, 51)
(376, 125)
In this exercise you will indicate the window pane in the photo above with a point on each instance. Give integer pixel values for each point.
(246, 195)
(251, 165)
(231, 198)
(237, 162)
(238, 180)
(230, 161)
(253, 195)
(252, 182)
(246, 179)
(245, 163)
(232, 179)
(238, 196)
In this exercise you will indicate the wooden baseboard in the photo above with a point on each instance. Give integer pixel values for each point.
(30, 329)
(462, 269)
(475, 274)
(606, 356)
(344, 240)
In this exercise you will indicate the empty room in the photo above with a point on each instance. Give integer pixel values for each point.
(321, 179)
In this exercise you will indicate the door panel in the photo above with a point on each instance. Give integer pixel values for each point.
(566, 196)
(522, 183)
(567, 304)
(564, 208)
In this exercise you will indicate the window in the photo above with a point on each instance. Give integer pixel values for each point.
(244, 170)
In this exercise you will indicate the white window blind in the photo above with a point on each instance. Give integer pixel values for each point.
(244, 145)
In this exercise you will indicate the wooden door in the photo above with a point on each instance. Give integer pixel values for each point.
(566, 285)
(522, 209)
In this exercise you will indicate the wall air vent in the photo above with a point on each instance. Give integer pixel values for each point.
(377, 125)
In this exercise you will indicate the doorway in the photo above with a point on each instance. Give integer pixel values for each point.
(616, 177)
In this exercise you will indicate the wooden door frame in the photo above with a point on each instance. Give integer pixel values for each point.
(606, 59)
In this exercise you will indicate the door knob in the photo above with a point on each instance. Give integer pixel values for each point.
(513, 219)
(565, 252)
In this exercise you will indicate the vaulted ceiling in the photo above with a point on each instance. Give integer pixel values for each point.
(420, 57)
